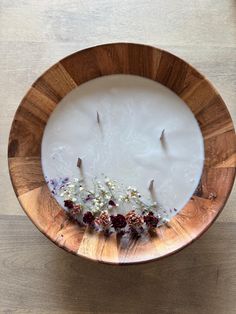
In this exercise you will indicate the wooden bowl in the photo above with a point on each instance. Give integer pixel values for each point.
(24, 153)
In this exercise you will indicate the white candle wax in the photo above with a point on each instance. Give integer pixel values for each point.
(126, 145)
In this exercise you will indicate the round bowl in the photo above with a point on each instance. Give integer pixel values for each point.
(24, 151)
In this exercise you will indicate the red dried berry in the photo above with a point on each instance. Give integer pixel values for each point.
(118, 221)
(150, 220)
(88, 218)
(69, 204)
(112, 203)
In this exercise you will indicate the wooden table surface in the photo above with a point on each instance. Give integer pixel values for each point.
(35, 275)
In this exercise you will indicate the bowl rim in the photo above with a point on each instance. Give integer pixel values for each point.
(18, 159)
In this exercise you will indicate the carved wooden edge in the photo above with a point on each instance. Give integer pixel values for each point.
(31, 117)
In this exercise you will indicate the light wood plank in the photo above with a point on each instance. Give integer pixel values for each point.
(38, 277)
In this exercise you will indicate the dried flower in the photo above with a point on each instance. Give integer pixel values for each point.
(118, 221)
(103, 197)
(150, 220)
(112, 203)
(89, 197)
(69, 204)
(77, 208)
(88, 218)
(75, 211)
(104, 220)
(134, 220)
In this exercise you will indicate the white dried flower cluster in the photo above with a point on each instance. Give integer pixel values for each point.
(69, 191)
(111, 184)
(105, 195)
(131, 194)
(99, 206)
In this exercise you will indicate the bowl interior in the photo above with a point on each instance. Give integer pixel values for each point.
(206, 104)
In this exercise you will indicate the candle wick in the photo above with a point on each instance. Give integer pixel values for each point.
(162, 135)
(98, 118)
(79, 162)
(151, 185)
(80, 166)
(99, 124)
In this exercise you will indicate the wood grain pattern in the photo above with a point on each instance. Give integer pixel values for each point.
(208, 107)
(36, 277)
(27, 174)
(55, 83)
(29, 123)
(220, 150)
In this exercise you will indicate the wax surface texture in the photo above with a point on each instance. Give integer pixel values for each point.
(125, 145)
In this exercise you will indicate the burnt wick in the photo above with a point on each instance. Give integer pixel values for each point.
(79, 162)
(162, 135)
(98, 118)
(151, 185)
